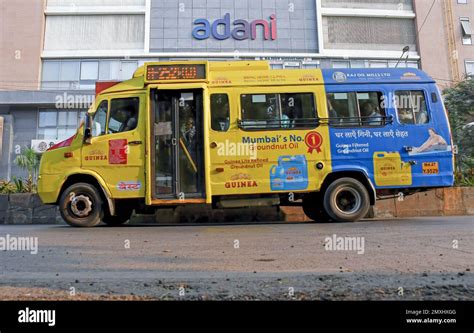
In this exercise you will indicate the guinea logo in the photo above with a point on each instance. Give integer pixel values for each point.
(313, 140)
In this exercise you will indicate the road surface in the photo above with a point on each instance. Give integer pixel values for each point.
(402, 259)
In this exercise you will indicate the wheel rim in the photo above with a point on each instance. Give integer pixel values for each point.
(81, 205)
(347, 200)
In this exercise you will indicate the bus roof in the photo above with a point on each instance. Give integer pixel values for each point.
(375, 75)
(259, 73)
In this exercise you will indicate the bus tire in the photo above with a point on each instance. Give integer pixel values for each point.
(122, 217)
(346, 200)
(80, 205)
(314, 209)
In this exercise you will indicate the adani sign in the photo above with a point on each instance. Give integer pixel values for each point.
(241, 29)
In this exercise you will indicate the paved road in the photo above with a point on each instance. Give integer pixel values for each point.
(419, 258)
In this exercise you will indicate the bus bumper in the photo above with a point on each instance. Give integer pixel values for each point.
(49, 187)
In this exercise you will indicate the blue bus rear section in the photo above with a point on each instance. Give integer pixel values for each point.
(398, 151)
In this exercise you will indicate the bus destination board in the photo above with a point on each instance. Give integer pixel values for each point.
(175, 72)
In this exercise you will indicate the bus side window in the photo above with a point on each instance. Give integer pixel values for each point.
(411, 107)
(371, 110)
(100, 119)
(123, 114)
(220, 112)
(297, 110)
(342, 109)
(278, 111)
(353, 109)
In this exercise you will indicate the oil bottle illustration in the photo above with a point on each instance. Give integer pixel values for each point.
(390, 170)
(291, 174)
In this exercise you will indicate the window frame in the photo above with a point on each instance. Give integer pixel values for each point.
(278, 93)
(58, 127)
(106, 100)
(386, 119)
(427, 105)
(229, 113)
(109, 112)
(466, 62)
(465, 39)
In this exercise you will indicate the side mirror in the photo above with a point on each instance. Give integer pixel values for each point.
(87, 130)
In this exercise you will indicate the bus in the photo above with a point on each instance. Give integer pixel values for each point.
(239, 134)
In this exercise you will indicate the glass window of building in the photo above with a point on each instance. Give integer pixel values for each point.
(378, 64)
(127, 68)
(470, 68)
(94, 32)
(56, 124)
(69, 71)
(341, 64)
(89, 70)
(466, 29)
(358, 64)
(109, 70)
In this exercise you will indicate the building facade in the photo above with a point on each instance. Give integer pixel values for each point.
(445, 41)
(52, 63)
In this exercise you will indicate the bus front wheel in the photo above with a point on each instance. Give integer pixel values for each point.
(346, 200)
(80, 205)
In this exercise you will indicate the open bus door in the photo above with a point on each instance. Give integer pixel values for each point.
(177, 154)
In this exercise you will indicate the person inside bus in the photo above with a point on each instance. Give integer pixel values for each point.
(338, 112)
(127, 116)
(189, 137)
(333, 118)
(406, 116)
(273, 120)
(370, 116)
(288, 119)
(220, 113)
(435, 142)
(421, 115)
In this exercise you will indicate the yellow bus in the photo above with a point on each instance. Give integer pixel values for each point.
(239, 134)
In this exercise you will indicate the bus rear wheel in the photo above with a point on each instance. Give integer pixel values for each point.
(346, 200)
(314, 209)
(80, 205)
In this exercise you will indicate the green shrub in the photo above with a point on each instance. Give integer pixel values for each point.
(459, 101)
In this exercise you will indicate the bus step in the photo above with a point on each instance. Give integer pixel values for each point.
(254, 202)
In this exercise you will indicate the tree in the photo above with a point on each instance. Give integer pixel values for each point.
(459, 101)
(29, 161)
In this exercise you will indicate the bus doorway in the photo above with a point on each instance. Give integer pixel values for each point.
(178, 157)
